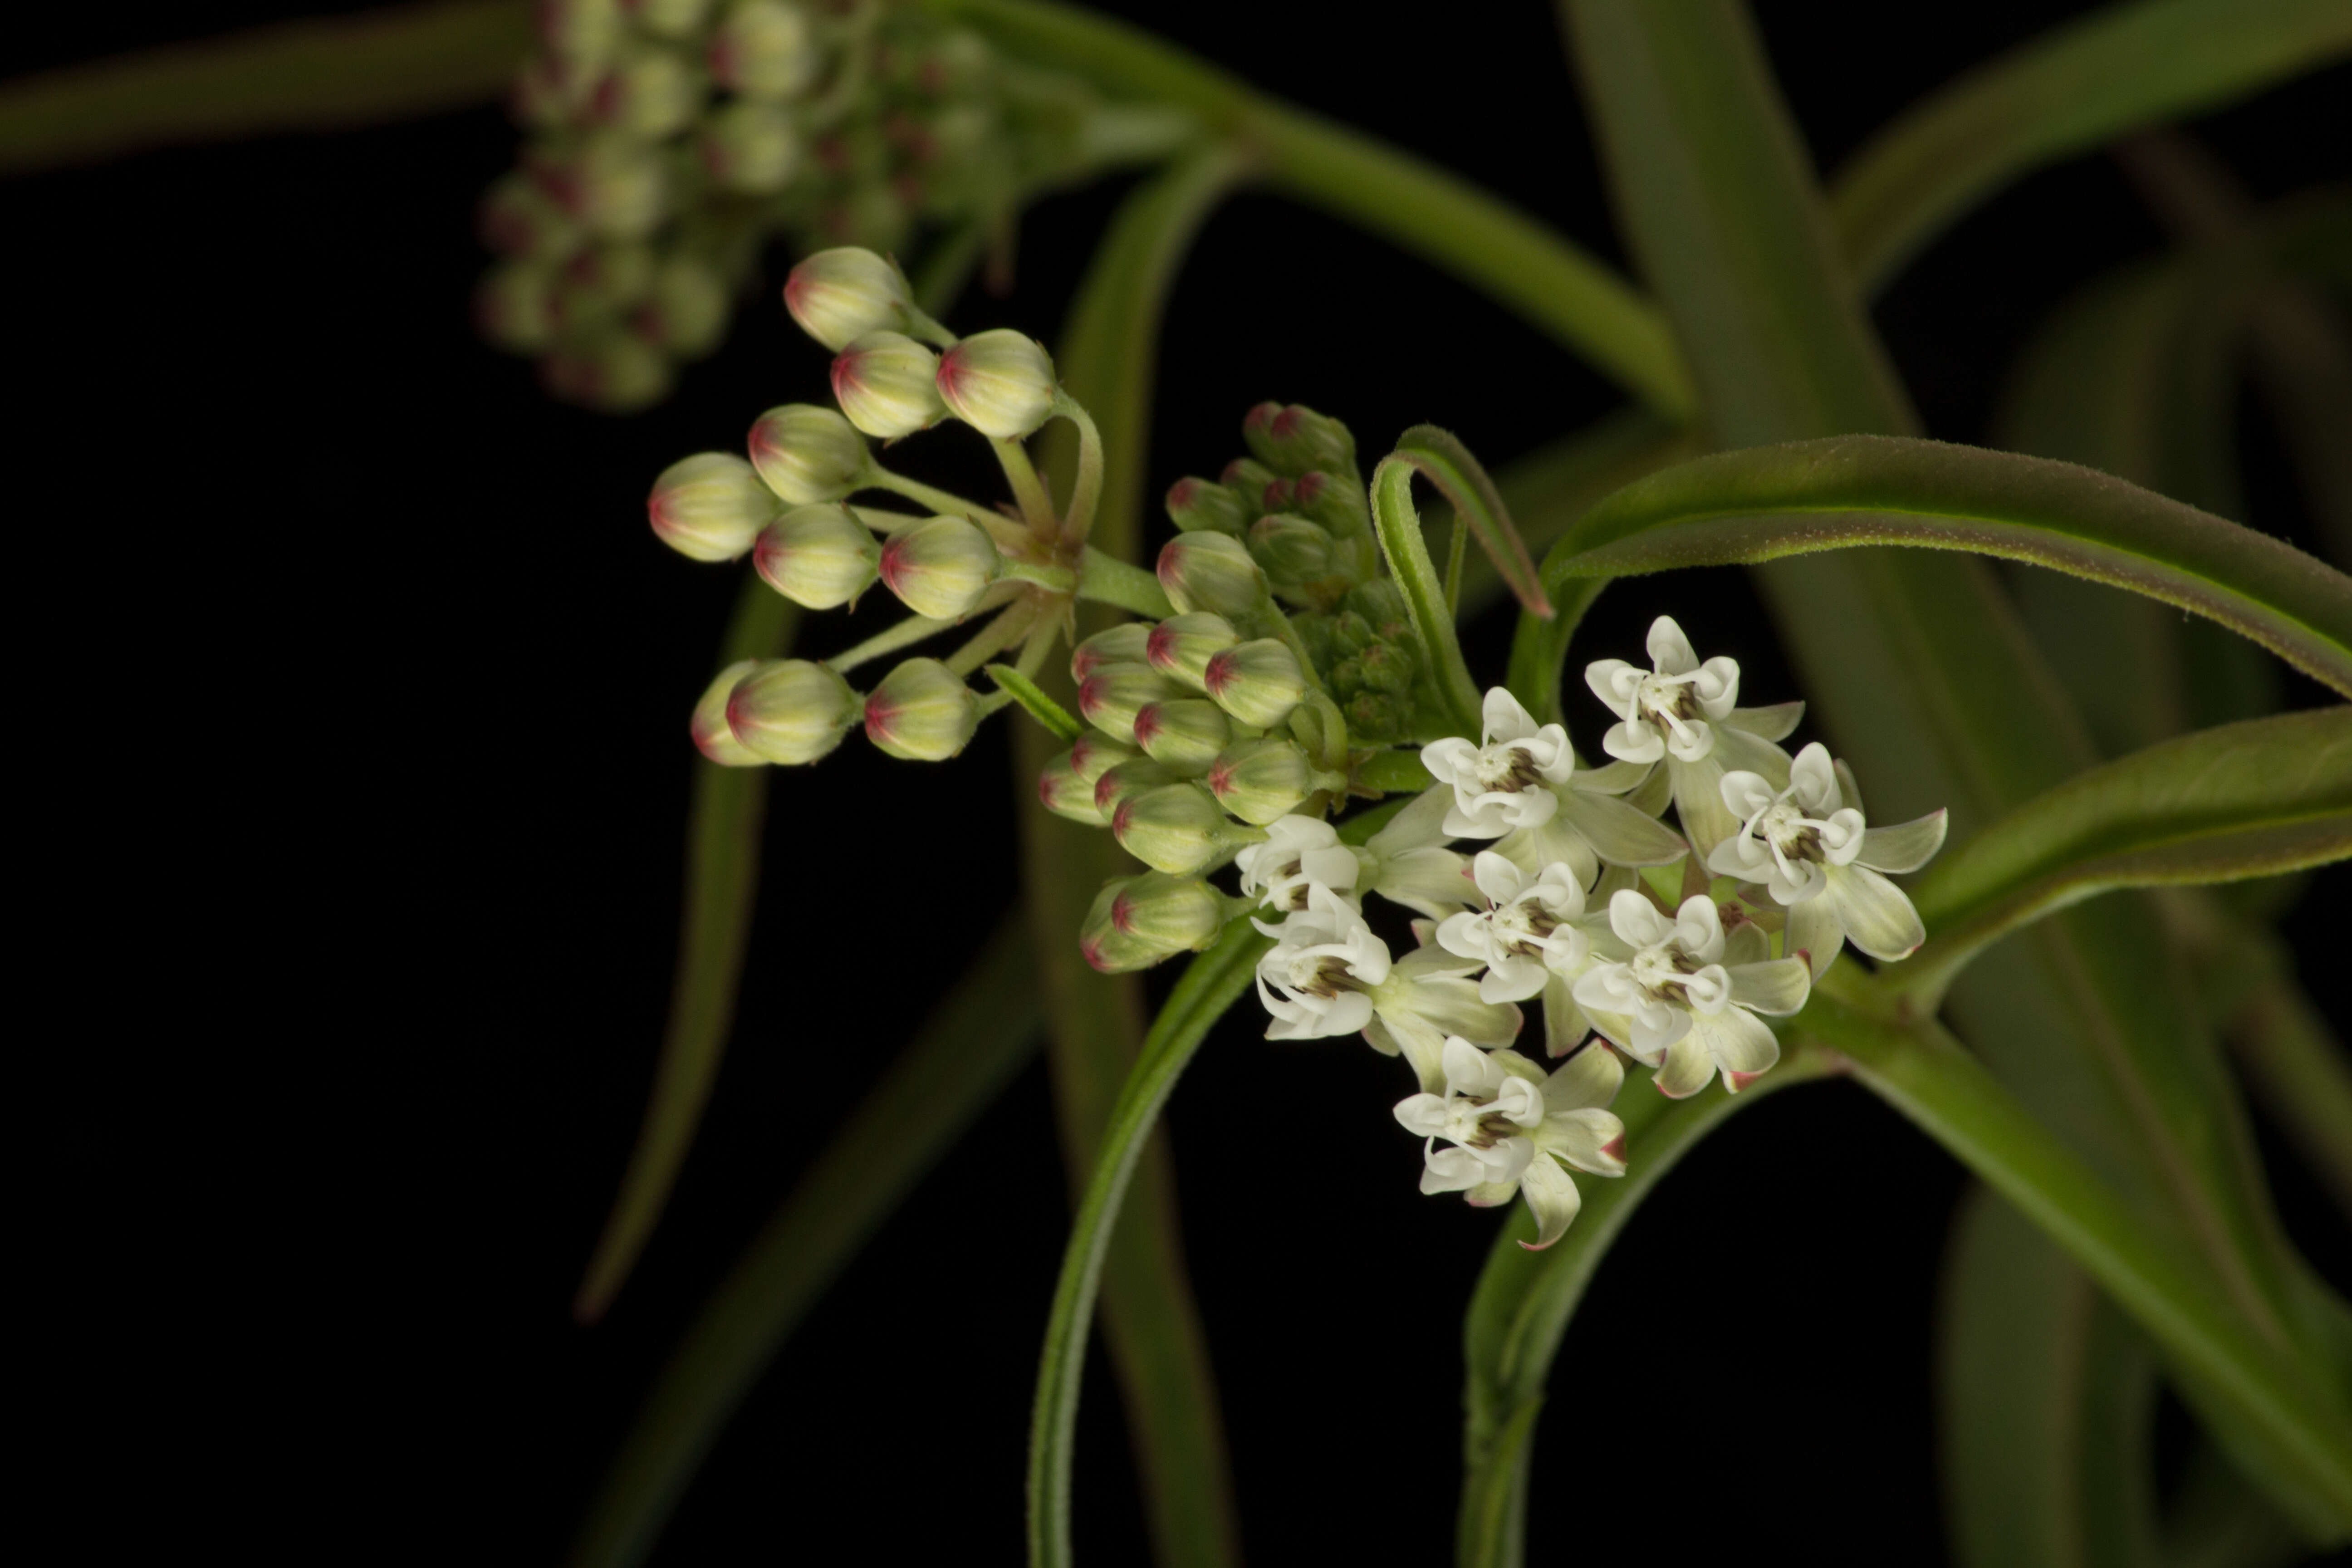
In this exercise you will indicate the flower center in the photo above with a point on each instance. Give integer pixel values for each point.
(1523, 928)
(1656, 969)
(1320, 975)
(1506, 770)
(1790, 832)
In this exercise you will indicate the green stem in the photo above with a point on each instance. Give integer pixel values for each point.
(944, 503)
(1028, 491)
(1086, 493)
(890, 640)
(1059, 580)
(1110, 581)
(994, 638)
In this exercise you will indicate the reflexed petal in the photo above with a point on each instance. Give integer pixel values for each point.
(1740, 1042)
(1491, 1194)
(1670, 651)
(1650, 797)
(1421, 1113)
(1554, 1200)
(1512, 978)
(1377, 1035)
(1504, 718)
(1717, 686)
(1590, 1140)
(1612, 680)
(1448, 759)
(1565, 1025)
(1849, 791)
(1617, 1028)
(1468, 1071)
(1698, 929)
(1637, 922)
(1811, 775)
(1522, 1073)
(1611, 778)
(1777, 722)
(1906, 847)
(1451, 1007)
(1619, 834)
(1496, 877)
(1878, 916)
(1686, 1070)
(1590, 1078)
(1776, 985)
(1815, 931)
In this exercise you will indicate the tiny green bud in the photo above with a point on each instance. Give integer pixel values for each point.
(922, 712)
(514, 306)
(1184, 735)
(1291, 549)
(1380, 602)
(517, 217)
(1204, 503)
(617, 371)
(807, 454)
(600, 283)
(1386, 666)
(1251, 481)
(1176, 828)
(1181, 645)
(1310, 725)
(1259, 781)
(940, 568)
(1108, 949)
(650, 92)
(614, 183)
(999, 383)
(1376, 716)
(1339, 505)
(686, 310)
(751, 148)
(550, 93)
(1212, 572)
(1294, 440)
(709, 726)
(1167, 912)
(709, 506)
(790, 711)
(1257, 682)
(1112, 694)
(1123, 779)
(1126, 643)
(668, 18)
(840, 295)
(579, 29)
(884, 382)
(817, 556)
(1066, 787)
(765, 48)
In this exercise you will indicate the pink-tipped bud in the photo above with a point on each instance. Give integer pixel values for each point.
(1257, 682)
(686, 312)
(840, 295)
(751, 148)
(1181, 645)
(885, 384)
(807, 454)
(820, 557)
(668, 18)
(790, 711)
(615, 184)
(940, 568)
(1294, 440)
(1123, 779)
(579, 29)
(999, 383)
(1340, 505)
(1110, 697)
(650, 92)
(612, 370)
(1211, 572)
(1183, 736)
(710, 507)
(1125, 643)
(1176, 828)
(712, 735)
(1169, 913)
(922, 712)
(1066, 787)
(519, 218)
(1108, 949)
(1259, 781)
(766, 49)
(1195, 503)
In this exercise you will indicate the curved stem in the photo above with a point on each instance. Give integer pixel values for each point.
(1028, 489)
(1085, 494)
(945, 502)
(890, 640)
(1110, 581)
(994, 638)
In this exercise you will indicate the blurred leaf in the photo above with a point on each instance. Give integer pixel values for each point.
(962, 1056)
(1397, 524)
(1035, 703)
(2302, 1076)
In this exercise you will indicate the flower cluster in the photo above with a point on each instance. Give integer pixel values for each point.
(671, 140)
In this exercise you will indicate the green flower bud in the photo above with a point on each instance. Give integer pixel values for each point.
(600, 283)
(616, 186)
(686, 312)
(791, 711)
(940, 568)
(1181, 645)
(1108, 949)
(1251, 482)
(1066, 787)
(668, 18)
(710, 728)
(840, 295)
(579, 29)
(1377, 716)
(1110, 697)
(1381, 604)
(1257, 682)
(1294, 440)
(650, 92)
(885, 384)
(1258, 781)
(1176, 828)
(817, 556)
(1387, 667)
(922, 712)
(1311, 727)
(1126, 643)
(710, 507)
(999, 383)
(1167, 912)
(514, 306)
(550, 93)
(1291, 549)
(517, 217)
(1211, 572)
(1204, 503)
(751, 148)
(1315, 632)
(1340, 505)
(765, 48)
(616, 372)
(1183, 736)
(807, 454)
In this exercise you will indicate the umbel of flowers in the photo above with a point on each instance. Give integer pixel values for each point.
(669, 142)
(1275, 671)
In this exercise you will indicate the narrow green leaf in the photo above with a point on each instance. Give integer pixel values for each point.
(1448, 464)
(1211, 984)
(1398, 523)
(1035, 703)
(965, 1053)
(1807, 496)
(2302, 1077)
(322, 74)
(722, 880)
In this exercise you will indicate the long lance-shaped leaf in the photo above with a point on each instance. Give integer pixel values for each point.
(2117, 69)
(1796, 498)
(722, 871)
(1397, 524)
(1478, 503)
(2243, 800)
(1211, 984)
(2298, 1419)
(327, 74)
(1524, 1301)
(964, 1055)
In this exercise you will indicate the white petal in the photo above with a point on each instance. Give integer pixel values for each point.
(1741, 1044)
(1589, 1140)
(1519, 1101)
(1686, 1070)
(1512, 978)
(1612, 680)
(1637, 920)
(1842, 836)
(1738, 856)
(1699, 928)
(1450, 1171)
(1717, 686)
(1776, 985)
(1877, 915)
(1775, 723)
(1693, 742)
(1633, 742)
(1506, 1161)
(1465, 935)
(1815, 782)
(1448, 759)
(1906, 847)
(1618, 833)
(1418, 825)
(1670, 651)
(1451, 1007)
(1606, 988)
(1421, 1113)
(1815, 933)
(1565, 1025)
(1496, 877)
(1553, 1199)
(1504, 718)
(1744, 794)
(1468, 1071)
(1350, 1012)
(1657, 1026)
(1589, 1078)
(1435, 881)
(1335, 868)
(1708, 990)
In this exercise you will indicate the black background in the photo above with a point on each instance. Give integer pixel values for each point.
(355, 688)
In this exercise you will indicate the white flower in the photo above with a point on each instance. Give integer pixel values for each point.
(1809, 847)
(1407, 861)
(1511, 1128)
(1428, 997)
(1298, 854)
(1672, 1002)
(1592, 827)
(1524, 937)
(1498, 784)
(1318, 980)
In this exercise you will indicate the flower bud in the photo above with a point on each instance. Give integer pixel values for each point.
(1291, 549)
(649, 93)
(1204, 503)
(710, 728)
(1125, 643)
(1110, 697)
(1251, 481)
(1108, 949)
(615, 184)
(838, 295)
(1132, 776)
(616, 372)
(790, 711)
(1259, 781)
(667, 18)
(884, 382)
(579, 29)
(550, 93)
(1312, 726)
(514, 306)
(922, 712)
(751, 148)
(1338, 504)
(1181, 645)
(686, 312)
(1066, 787)
(940, 568)
(765, 48)
(517, 217)
(1211, 572)
(1167, 912)
(601, 282)
(1176, 828)
(817, 556)
(1183, 736)
(807, 454)
(999, 383)
(1257, 682)
(710, 506)
(1294, 440)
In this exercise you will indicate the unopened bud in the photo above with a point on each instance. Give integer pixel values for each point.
(1181, 645)
(1108, 949)
(710, 506)
(710, 728)
(600, 283)
(1067, 786)
(1211, 572)
(1204, 503)
(1126, 643)
(765, 48)
(791, 711)
(579, 29)
(751, 148)
(519, 217)
(686, 312)
(817, 556)
(1294, 440)
(1183, 736)
(1257, 682)
(1176, 828)
(838, 295)
(999, 383)
(884, 382)
(1250, 480)
(514, 306)
(1110, 697)
(650, 92)
(1123, 779)
(550, 92)
(668, 18)
(1316, 726)
(940, 568)
(616, 372)
(922, 712)
(1291, 549)
(1167, 912)
(807, 454)
(1259, 781)
(1338, 504)
(1375, 716)
(615, 186)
